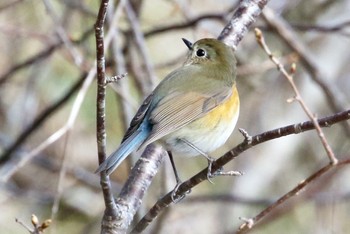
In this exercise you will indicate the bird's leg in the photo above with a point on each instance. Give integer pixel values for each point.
(219, 172)
(178, 181)
(210, 159)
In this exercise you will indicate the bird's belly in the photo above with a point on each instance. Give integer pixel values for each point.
(208, 132)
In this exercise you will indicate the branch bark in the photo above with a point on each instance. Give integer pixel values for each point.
(244, 16)
(110, 211)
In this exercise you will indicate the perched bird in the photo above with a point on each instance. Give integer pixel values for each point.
(191, 112)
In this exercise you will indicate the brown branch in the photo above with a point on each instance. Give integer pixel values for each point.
(249, 142)
(250, 223)
(100, 114)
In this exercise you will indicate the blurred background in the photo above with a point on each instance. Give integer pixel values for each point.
(47, 50)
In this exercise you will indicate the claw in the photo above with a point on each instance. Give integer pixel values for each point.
(209, 173)
(173, 193)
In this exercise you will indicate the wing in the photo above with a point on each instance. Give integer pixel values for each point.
(138, 118)
(178, 109)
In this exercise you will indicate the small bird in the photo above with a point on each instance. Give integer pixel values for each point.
(191, 112)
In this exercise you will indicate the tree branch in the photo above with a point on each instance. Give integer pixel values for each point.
(249, 142)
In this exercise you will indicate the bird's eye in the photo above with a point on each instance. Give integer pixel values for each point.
(200, 53)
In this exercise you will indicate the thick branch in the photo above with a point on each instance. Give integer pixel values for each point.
(246, 14)
(128, 201)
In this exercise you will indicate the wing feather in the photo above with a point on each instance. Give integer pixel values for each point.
(138, 118)
(179, 109)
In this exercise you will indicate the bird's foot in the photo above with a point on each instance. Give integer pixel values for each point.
(174, 193)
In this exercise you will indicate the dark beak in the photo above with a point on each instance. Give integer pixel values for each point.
(187, 43)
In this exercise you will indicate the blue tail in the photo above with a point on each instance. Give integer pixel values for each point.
(132, 143)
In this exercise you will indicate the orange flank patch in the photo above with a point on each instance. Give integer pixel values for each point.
(225, 112)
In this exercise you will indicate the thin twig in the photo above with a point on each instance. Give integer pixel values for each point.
(298, 98)
(100, 110)
(37, 227)
(7, 171)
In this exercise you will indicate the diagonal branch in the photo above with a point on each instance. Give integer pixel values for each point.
(250, 223)
(245, 145)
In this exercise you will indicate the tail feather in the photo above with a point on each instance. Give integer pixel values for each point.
(132, 143)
